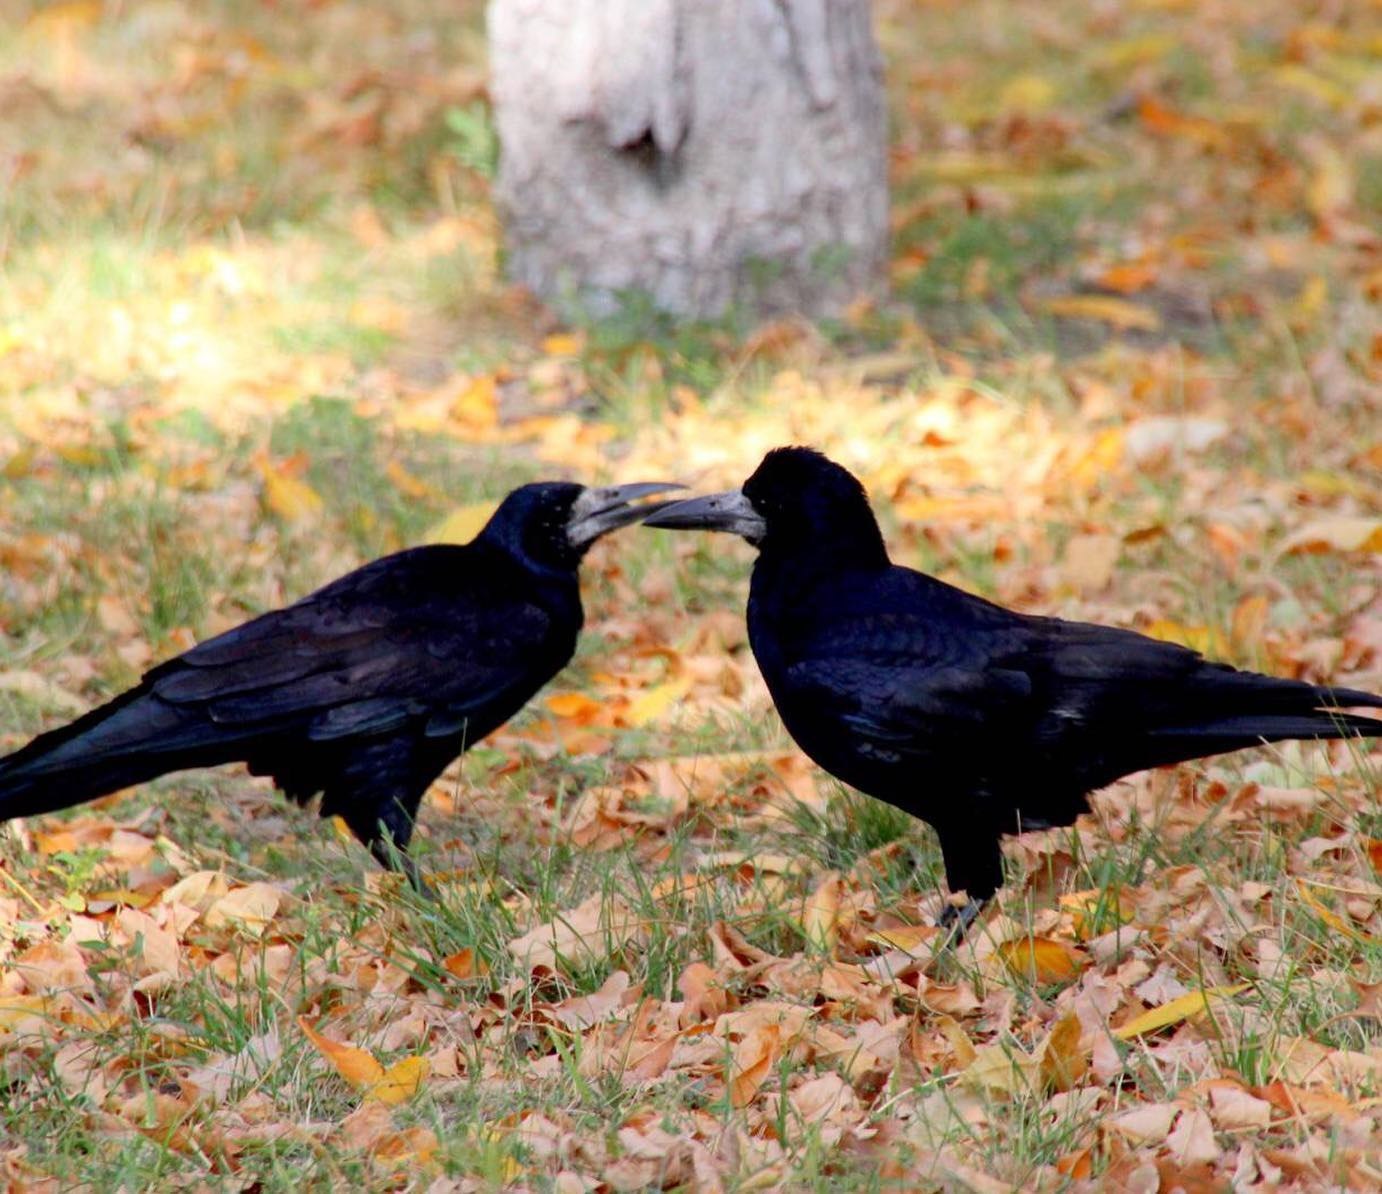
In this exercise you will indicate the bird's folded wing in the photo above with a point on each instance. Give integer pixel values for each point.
(339, 667)
(905, 706)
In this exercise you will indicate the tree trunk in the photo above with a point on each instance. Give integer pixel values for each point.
(709, 153)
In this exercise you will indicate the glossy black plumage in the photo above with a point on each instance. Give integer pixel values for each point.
(364, 690)
(976, 719)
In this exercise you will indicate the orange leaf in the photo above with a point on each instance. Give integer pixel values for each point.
(574, 705)
(356, 1066)
(754, 1058)
(1042, 960)
(912, 939)
(1128, 278)
(1116, 312)
(1063, 1063)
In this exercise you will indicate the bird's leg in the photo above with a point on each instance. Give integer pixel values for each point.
(974, 865)
(391, 856)
(956, 918)
(386, 829)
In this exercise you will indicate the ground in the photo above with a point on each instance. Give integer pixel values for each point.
(253, 331)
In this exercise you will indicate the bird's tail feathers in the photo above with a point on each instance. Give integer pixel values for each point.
(130, 740)
(1247, 729)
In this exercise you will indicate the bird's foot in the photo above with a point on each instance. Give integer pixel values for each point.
(956, 918)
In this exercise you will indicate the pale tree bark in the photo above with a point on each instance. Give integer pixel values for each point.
(707, 153)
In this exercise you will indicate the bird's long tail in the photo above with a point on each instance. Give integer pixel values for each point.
(131, 739)
(1243, 708)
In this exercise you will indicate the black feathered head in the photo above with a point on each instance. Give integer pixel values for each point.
(551, 524)
(796, 500)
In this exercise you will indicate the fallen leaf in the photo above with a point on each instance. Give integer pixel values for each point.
(820, 919)
(288, 497)
(1117, 312)
(653, 702)
(252, 907)
(1042, 960)
(1061, 1060)
(1150, 437)
(357, 1066)
(462, 524)
(1232, 1108)
(399, 1082)
(1148, 1124)
(588, 933)
(1341, 534)
(913, 939)
(752, 1061)
(1090, 561)
(1191, 1004)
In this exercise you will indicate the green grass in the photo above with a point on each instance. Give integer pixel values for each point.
(215, 291)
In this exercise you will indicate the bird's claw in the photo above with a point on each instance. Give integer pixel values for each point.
(956, 918)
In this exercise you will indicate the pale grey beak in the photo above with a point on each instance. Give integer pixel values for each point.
(730, 511)
(598, 511)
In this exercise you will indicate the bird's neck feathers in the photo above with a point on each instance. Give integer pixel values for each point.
(540, 547)
(836, 540)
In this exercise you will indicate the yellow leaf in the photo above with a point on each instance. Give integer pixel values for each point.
(1132, 51)
(1116, 312)
(564, 344)
(1344, 533)
(15, 1009)
(1317, 87)
(289, 498)
(1042, 960)
(1026, 93)
(407, 484)
(1331, 918)
(912, 939)
(1311, 299)
(356, 1066)
(63, 20)
(462, 524)
(653, 702)
(820, 918)
(400, 1082)
(477, 405)
(1192, 1003)
(1332, 186)
(1207, 640)
(82, 455)
(1002, 1069)
(957, 1039)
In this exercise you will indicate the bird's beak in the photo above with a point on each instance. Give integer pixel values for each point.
(731, 512)
(598, 511)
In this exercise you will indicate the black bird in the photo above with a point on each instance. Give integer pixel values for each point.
(364, 690)
(976, 719)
